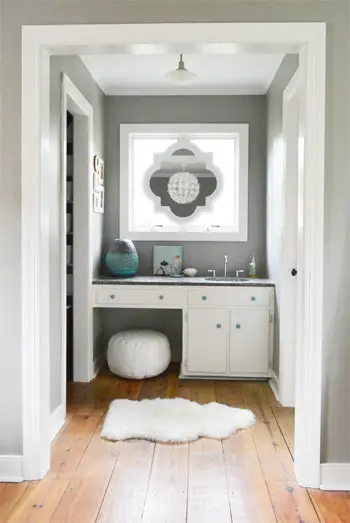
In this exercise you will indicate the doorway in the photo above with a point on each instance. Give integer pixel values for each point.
(306, 39)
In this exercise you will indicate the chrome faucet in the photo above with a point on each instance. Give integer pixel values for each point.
(225, 270)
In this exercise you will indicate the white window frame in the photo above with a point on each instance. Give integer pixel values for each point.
(242, 131)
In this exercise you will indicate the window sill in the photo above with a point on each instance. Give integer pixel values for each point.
(155, 236)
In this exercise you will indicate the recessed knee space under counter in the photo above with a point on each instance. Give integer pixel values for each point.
(227, 327)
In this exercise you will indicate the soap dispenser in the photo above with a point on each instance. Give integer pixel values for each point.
(252, 266)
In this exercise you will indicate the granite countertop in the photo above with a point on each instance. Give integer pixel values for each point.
(164, 280)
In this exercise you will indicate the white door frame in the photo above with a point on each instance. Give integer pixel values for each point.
(38, 42)
(289, 248)
(73, 101)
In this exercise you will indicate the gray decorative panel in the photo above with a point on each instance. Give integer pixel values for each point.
(192, 190)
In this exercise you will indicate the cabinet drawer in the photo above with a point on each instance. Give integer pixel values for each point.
(235, 296)
(129, 296)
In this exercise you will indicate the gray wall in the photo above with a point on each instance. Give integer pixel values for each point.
(80, 76)
(194, 109)
(336, 336)
(274, 186)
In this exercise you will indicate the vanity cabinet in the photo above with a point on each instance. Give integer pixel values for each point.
(207, 340)
(229, 333)
(227, 330)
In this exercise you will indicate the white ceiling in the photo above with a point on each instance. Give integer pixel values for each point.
(221, 74)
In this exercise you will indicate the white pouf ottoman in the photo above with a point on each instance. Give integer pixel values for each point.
(138, 354)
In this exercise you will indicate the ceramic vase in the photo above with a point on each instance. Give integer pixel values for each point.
(122, 259)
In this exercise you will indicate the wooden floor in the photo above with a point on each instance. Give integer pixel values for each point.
(245, 479)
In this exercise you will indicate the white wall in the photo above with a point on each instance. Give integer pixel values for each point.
(336, 339)
(274, 183)
(80, 76)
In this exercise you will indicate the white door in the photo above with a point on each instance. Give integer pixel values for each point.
(249, 342)
(289, 255)
(207, 340)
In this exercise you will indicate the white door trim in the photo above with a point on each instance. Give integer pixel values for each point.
(38, 42)
(74, 101)
(288, 288)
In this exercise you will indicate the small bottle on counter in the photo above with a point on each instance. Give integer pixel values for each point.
(252, 266)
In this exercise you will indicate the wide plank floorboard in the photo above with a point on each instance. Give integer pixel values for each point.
(208, 498)
(248, 494)
(247, 478)
(10, 494)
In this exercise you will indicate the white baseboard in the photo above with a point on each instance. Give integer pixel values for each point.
(11, 469)
(274, 384)
(335, 476)
(58, 418)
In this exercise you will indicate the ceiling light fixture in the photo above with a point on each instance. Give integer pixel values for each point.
(181, 75)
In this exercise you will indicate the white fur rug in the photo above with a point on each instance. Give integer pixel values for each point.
(172, 420)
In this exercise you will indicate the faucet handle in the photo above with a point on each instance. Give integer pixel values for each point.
(213, 272)
(238, 272)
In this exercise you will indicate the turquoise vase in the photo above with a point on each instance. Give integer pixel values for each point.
(122, 259)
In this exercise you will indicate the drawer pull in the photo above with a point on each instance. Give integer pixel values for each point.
(112, 296)
(204, 298)
(253, 298)
(218, 326)
(238, 325)
(161, 297)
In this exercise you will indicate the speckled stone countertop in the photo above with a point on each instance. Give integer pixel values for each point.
(164, 280)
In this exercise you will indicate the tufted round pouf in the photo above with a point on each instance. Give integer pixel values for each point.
(138, 354)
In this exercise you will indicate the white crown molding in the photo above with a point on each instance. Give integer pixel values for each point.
(11, 469)
(188, 91)
(335, 476)
(181, 1)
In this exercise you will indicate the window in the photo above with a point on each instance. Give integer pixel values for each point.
(184, 182)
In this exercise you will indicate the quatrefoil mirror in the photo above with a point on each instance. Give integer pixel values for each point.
(182, 178)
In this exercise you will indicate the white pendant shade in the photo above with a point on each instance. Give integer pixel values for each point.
(181, 75)
(183, 187)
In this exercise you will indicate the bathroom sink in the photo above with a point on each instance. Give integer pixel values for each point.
(226, 278)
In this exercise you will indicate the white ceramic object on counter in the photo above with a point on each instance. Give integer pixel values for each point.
(190, 272)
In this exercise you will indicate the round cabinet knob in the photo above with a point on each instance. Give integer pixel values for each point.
(204, 298)
(218, 326)
(112, 296)
(253, 298)
(161, 297)
(238, 326)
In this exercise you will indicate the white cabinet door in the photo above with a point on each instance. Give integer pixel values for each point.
(207, 340)
(249, 342)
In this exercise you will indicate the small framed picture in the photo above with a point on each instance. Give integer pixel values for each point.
(96, 201)
(97, 181)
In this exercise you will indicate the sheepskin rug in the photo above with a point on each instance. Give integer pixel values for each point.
(172, 420)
